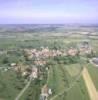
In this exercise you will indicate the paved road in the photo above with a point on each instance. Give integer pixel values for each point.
(89, 84)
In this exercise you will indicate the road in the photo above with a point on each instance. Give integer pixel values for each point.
(90, 85)
(24, 89)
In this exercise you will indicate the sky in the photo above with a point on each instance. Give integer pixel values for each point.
(48, 11)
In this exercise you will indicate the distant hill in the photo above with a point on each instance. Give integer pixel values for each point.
(11, 29)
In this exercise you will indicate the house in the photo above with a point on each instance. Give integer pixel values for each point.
(40, 62)
(44, 92)
(34, 72)
(50, 91)
(25, 73)
(72, 51)
(13, 64)
(94, 61)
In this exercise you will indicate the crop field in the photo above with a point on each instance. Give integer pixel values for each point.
(78, 92)
(58, 83)
(73, 69)
(93, 71)
(63, 84)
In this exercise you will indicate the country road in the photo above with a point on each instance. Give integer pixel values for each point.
(89, 84)
(24, 89)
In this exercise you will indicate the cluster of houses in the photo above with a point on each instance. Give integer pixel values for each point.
(85, 48)
(25, 70)
(43, 53)
(82, 48)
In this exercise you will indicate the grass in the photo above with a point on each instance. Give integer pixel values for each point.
(14, 43)
(73, 69)
(33, 92)
(10, 85)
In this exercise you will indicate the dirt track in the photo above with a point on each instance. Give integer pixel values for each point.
(90, 86)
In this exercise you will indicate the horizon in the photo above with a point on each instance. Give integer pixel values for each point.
(48, 12)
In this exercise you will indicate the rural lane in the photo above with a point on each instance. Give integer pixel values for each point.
(24, 89)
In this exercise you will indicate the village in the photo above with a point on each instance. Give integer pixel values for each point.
(39, 59)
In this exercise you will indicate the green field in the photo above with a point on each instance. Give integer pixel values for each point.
(10, 85)
(78, 92)
(58, 79)
(33, 92)
(61, 77)
(73, 69)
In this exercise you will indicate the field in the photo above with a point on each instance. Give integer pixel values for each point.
(10, 85)
(67, 85)
(78, 92)
(93, 71)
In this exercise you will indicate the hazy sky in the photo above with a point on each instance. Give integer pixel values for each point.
(48, 11)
